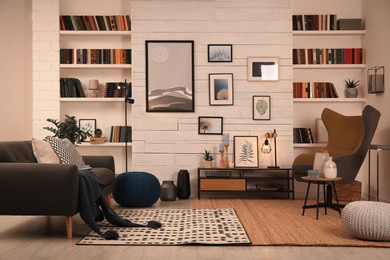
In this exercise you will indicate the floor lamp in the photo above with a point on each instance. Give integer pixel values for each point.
(128, 100)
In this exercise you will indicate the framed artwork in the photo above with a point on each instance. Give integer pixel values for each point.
(246, 153)
(210, 125)
(169, 76)
(220, 53)
(88, 125)
(321, 132)
(261, 108)
(221, 89)
(262, 68)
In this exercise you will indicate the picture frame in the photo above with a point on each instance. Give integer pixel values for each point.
(221, 91)
(246, 152)
(88, 125)
(261, 107)
(210, 125)
(321, 132)
(220, 52)
(262, 68)
(170, 76)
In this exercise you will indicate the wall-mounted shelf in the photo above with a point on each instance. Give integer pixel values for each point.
(78, 33)
(329, 100)
(106, 144)
(329, 66)
(329, 33)
(95, 66)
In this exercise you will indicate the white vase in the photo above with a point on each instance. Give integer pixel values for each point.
(319, 159)
(330, 169)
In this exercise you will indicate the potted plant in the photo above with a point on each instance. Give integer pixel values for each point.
(67, 129)
(351, 90)
(208, 158)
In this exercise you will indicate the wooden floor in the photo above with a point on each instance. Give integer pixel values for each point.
(26, 237)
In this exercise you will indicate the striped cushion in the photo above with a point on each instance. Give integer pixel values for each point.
(66, 151)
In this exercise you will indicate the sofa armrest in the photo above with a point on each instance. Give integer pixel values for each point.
(38, 189)
(97, 161)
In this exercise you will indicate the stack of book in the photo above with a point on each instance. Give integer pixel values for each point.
(314, 90)
(329, 56)
(309, 22)
(117, 89)
(120, 134)
(71, 87)
(95, 23)
(302, 135)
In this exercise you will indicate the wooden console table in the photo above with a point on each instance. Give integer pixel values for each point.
(260, 180)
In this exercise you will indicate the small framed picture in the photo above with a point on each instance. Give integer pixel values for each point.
(262, 68)
(221, 89)
(88, 125)
(261, 108)
(321, 132)
(220, 53)
(246, 153)
(210, 125)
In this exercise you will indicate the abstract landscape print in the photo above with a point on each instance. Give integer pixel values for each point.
(170, 76)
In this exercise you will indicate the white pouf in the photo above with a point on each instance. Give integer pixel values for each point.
(367, 220)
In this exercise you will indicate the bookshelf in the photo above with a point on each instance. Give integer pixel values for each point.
(307, 110)
(108, 112)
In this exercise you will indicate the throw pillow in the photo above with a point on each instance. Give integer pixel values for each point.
(43, 152)
(66, 151)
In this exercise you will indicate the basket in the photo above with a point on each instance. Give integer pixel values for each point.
(217, 173)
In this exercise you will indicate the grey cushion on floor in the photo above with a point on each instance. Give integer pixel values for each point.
(367, 220)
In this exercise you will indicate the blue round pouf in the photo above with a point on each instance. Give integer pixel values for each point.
(136, 189)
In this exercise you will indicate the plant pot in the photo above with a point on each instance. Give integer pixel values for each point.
(351, 92)
(208, 164)
(168, 191)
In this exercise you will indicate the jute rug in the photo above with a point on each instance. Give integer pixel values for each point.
(218, 226)
(280, 223)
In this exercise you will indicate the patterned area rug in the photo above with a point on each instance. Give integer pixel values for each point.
(218, 226)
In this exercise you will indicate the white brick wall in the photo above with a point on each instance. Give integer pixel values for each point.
(45, 64)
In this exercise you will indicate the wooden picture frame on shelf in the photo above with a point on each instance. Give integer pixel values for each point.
(210, 125)
(246, 152)
(220, 52)
(221, 89)
(321, 132)
(262, 68)
(166, 89)
(89, 126)
(261, 107)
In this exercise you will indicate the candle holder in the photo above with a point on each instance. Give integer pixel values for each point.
(226, 156)
(222, 160)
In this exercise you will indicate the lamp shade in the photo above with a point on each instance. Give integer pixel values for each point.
(93, 84)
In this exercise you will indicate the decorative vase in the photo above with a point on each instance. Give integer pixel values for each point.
(351, 92)
(168, 191)
(208, 164)
(319, 159)
(330, 169)
(183, 184)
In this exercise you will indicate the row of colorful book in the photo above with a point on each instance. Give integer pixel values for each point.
(117, 89)
(95, 56)
(309, 22)
(120, 134)
(329, 56)
(302, 135)
(95, 23)
(314, 90)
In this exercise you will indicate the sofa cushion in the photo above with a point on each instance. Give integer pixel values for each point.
(43, 152)
(17, 152)
(65, 151)
(105, 175)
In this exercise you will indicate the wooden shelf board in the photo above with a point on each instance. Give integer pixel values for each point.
(329, 66)
(106, 144)
(95, 66)
(328, 33)
(329, 100)
(78, 33)
(86, 99)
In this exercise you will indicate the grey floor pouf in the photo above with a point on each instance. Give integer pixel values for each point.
(367, 220)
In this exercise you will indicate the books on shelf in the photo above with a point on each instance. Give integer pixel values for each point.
(117, 89)
(95, 23)
(310, 22)
(120, 134)
(95, 56)
(314, 90)
(71, 87)
(302, 135)
(329, 56)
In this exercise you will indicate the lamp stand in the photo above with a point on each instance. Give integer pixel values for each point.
(274, 135)
(127, 100)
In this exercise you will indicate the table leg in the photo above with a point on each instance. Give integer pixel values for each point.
(337, 198)
(325, 200)
(318, 199)
(307, 193)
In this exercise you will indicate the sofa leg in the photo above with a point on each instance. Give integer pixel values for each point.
(69, 227)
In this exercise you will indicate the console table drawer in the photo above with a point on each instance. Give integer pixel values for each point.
(223, 184)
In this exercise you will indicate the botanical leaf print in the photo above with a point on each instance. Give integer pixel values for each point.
(247, 152)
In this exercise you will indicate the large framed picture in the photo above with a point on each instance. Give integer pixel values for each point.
(221, 89)
(170, 76)
(246, 153)
(261, 108)
(88, 125)
(262, 68)
(210, 125)
(220, 53)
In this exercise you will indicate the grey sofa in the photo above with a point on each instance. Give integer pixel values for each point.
(29, 188)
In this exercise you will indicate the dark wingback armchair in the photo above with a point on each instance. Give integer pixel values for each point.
(349, 138)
